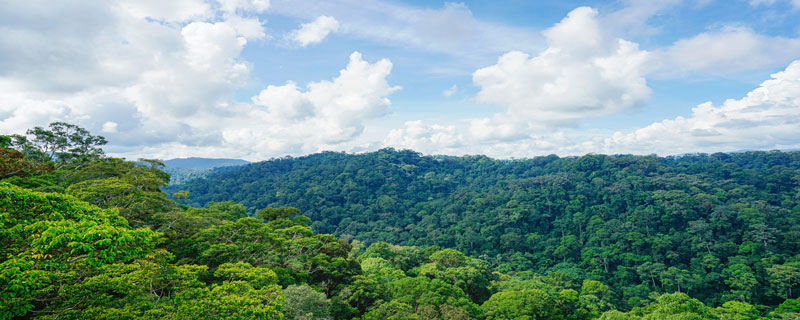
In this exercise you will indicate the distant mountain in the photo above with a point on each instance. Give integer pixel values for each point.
(636, 223)
(203, 163)
(182, 170)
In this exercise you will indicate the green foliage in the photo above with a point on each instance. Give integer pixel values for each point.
(784, 277)
(63, 143)
(393, 310)
(676, 306)
(735, 310)
(63, 258)
(133, 189)
(525, 304)
(789, 309)
(13, 163)
(288, 247)
(448, 258)
(545, 238)
(706, 225)
(277, 213)
(303, 302)
(48, 241)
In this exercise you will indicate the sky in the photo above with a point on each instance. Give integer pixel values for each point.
(258, 79)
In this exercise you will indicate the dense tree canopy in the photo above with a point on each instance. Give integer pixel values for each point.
(719, 226)
(593, 237)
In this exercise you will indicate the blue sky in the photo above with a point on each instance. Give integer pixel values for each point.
(256, 79)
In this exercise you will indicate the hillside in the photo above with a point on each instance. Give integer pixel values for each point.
(703, 237)
(695, 223)
(185, 169)
(202, 163)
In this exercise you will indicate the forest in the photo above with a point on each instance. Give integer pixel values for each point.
(396, 235)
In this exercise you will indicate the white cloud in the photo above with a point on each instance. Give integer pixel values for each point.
(424, 138)
(452, 29)
(315, 31)
(450, 91)
(169, 11)
(110, 126)
(726, 51)
(249, 28)
(231, 6)
(583, 73)
(166, 71)
(633, 18)
(460, 139)
(767, 118)
(325, 114)
(209, 45)
(285, 102)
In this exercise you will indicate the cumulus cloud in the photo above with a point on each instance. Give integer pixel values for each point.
(767, 118)
(162, 70)
(324, 113)
(583, 73)
(460, 139)
(421, 137)
(168, 72)
(315, 31)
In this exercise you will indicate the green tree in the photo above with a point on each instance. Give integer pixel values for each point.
(277, 213)
(393, 310)
(741, 280)
(784, 277)
(789, 309)
(525, 304)
(670, 306)
(303, 302)
(62, 143)
(735, 310)
(49, 241)
(419, 292)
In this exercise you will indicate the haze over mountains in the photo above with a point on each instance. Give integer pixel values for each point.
(184, 169)
(202, 163)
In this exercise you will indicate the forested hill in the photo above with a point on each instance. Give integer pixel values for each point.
(184, 169)
(202, 163)
(86, 236)
(711, 225)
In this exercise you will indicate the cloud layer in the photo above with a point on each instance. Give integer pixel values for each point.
(324, 114)
(166, 79)
(582, 73)
(158, 78)
(766, 118)
(314, 31)
(727, 51)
